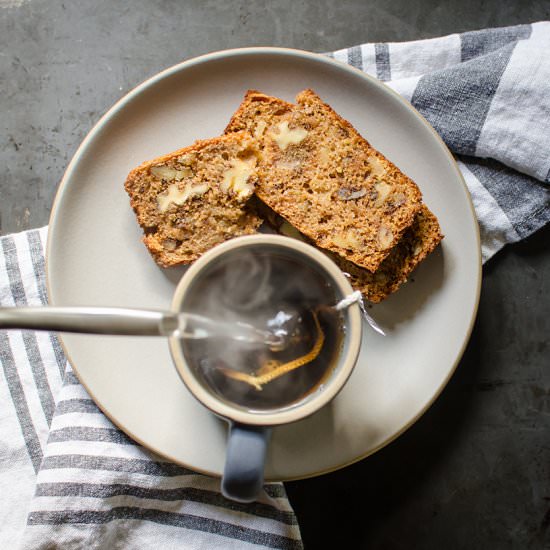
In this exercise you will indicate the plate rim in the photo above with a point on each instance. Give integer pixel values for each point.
(246, 51)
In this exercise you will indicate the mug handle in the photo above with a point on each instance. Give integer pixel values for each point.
(243, 475)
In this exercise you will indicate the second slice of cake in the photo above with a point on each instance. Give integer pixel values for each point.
(320, 174)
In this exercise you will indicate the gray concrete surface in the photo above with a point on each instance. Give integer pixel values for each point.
(474, 472)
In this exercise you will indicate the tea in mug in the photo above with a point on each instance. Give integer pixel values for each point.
(271, 292)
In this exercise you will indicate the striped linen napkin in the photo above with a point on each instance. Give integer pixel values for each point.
(485, 92)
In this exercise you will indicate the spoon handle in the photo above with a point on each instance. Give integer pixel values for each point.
(90, 320)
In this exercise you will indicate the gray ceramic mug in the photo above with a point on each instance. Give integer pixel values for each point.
(250, 430)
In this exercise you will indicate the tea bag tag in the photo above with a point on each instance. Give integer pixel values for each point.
(357, 297)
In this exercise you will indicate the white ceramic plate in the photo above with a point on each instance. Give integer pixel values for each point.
(95, 257)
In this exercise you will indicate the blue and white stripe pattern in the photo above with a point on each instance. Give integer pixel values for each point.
(487, 95)
(485, 92)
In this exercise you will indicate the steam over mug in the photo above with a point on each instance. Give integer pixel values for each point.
(250, 427)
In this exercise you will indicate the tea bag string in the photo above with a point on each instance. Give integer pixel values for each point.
(280, 369)
(357, 298)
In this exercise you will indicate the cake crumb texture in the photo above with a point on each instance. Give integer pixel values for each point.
(317, 172)
(190, 200)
